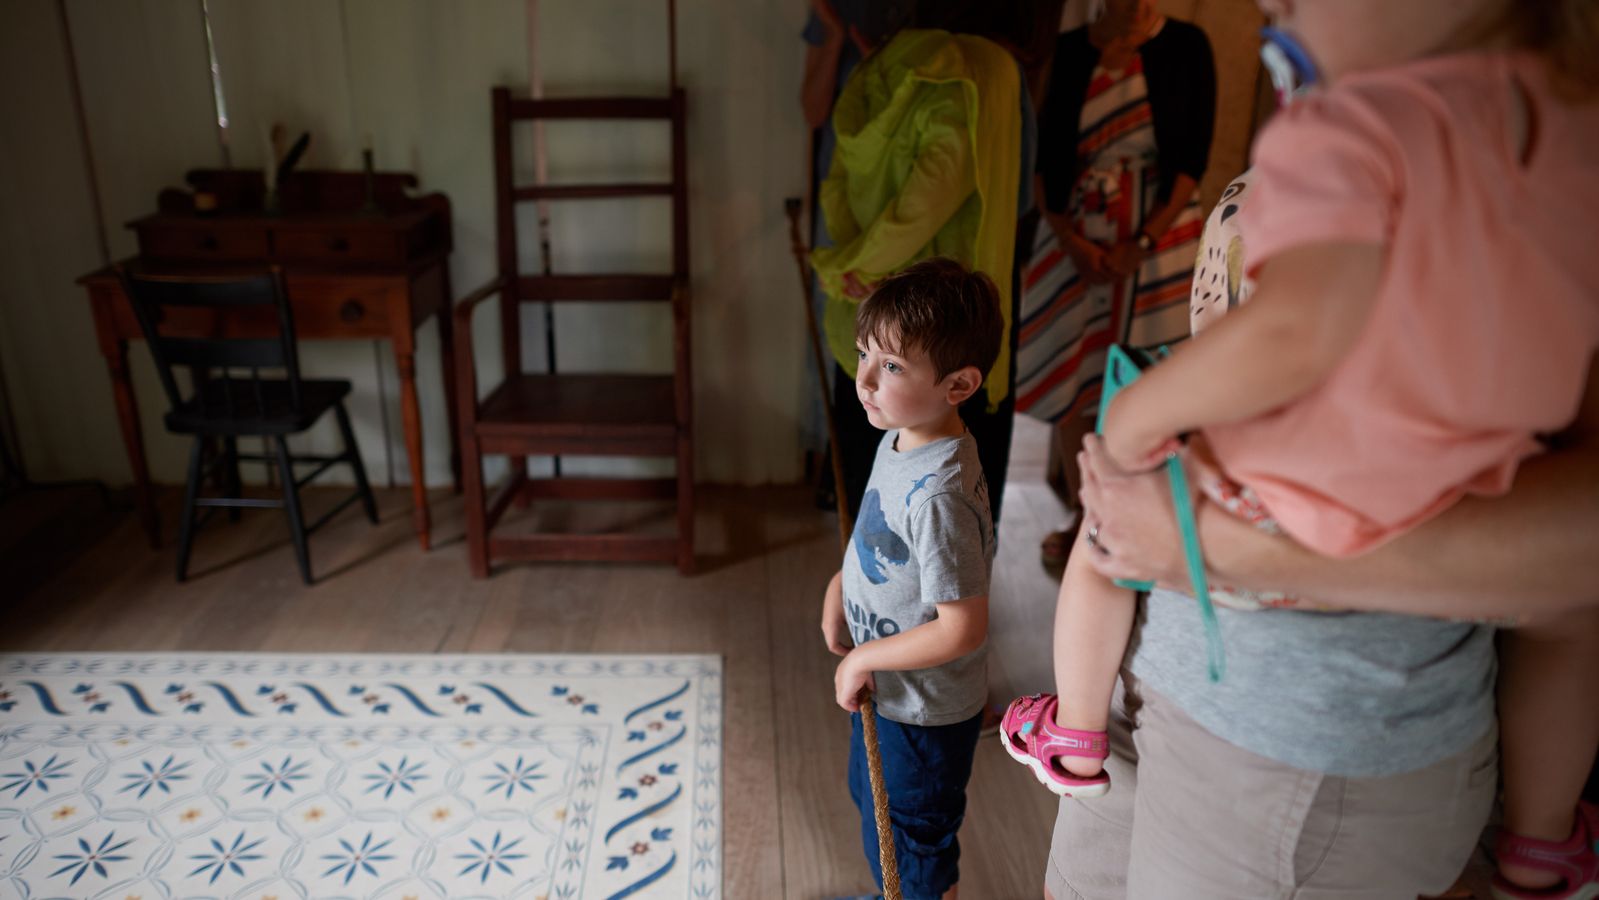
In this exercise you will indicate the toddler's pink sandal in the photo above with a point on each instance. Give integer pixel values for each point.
(1575, 860)
(1032, 738)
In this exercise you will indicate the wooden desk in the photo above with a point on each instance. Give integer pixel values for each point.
(329, 304)
(347, 278)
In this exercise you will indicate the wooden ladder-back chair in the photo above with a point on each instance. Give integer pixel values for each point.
(568, 415)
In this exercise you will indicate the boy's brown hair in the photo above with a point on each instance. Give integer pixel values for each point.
(939, 307)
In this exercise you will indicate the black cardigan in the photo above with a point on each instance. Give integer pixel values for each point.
(1181, 75)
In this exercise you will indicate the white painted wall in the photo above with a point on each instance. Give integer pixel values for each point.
(416, 75)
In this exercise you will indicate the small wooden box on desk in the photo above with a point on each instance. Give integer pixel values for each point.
(360, 260)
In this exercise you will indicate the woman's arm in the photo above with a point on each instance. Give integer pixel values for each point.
(1127, 256)
(1159, 220)
(1091, 259)
(821, 66)
(1526, 555)
(821, 77)
(1310, 305)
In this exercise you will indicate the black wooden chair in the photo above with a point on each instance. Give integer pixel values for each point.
(217, 327)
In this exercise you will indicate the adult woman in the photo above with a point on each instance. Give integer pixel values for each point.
(1527, 554)
(932, 129)
(1331, 809)
(1124, 137)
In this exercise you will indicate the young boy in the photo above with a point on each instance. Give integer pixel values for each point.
(909, 610)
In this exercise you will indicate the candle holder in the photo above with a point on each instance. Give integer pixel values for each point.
(369, 203)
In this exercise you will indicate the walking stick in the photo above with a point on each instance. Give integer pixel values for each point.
(874, 756)
(793, 206)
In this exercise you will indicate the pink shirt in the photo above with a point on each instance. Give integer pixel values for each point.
(1487, 315)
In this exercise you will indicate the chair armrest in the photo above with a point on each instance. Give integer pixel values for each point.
(466, 305)
(465, 365)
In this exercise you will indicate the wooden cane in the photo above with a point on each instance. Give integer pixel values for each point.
(793, 206)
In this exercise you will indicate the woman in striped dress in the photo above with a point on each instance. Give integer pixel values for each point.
(1124, 137)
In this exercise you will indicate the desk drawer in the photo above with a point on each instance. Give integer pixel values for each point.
(339, 308)
(336, 245)
(205, 242)
(324, 308)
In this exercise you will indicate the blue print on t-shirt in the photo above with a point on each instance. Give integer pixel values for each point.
(920, 483)
(873, 536)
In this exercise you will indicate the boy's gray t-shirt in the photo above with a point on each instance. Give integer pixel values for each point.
(924, 536)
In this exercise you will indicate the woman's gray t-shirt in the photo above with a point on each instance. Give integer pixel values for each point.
(1352, 694)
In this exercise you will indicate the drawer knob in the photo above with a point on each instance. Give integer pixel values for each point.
(351, 311)
(209, 242)
(339, 244)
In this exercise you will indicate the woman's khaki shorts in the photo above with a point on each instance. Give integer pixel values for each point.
(1192, 816)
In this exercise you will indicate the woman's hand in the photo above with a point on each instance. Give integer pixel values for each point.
(855, 288)
(1091, 259)
(1087, 256)
(1132, 520)
(1124, 258)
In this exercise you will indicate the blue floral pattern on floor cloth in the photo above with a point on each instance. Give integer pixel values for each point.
(331, 777)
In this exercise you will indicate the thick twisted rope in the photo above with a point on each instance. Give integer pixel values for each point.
(885, 828)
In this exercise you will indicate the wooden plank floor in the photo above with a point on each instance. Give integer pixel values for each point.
(765, 555)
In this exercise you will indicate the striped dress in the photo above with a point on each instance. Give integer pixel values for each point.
(1067, 325)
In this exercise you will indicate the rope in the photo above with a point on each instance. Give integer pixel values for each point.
(885, 829)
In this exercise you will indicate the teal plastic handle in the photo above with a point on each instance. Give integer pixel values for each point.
(1121, 370)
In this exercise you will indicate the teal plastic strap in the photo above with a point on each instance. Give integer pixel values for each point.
(1189, 529)
(1120, 371)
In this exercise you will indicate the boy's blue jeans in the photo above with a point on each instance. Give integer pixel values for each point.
(925, 769)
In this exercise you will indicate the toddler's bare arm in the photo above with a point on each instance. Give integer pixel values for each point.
(1309, 306)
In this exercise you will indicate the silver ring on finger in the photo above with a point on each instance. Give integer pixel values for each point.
(1093, 541)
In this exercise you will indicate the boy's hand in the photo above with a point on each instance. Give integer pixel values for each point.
(835, 631)
(848, 679)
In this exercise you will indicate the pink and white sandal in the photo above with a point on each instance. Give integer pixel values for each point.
(1032, 738)
(1575, 860)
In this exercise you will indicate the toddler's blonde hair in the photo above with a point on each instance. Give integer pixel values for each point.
(1564, 32)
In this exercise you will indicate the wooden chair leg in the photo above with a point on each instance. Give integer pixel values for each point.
(191, 492)
(523, 500)
(353, 455)
(291, 505)
(685, 507)
(475, 508)
(234, 483)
